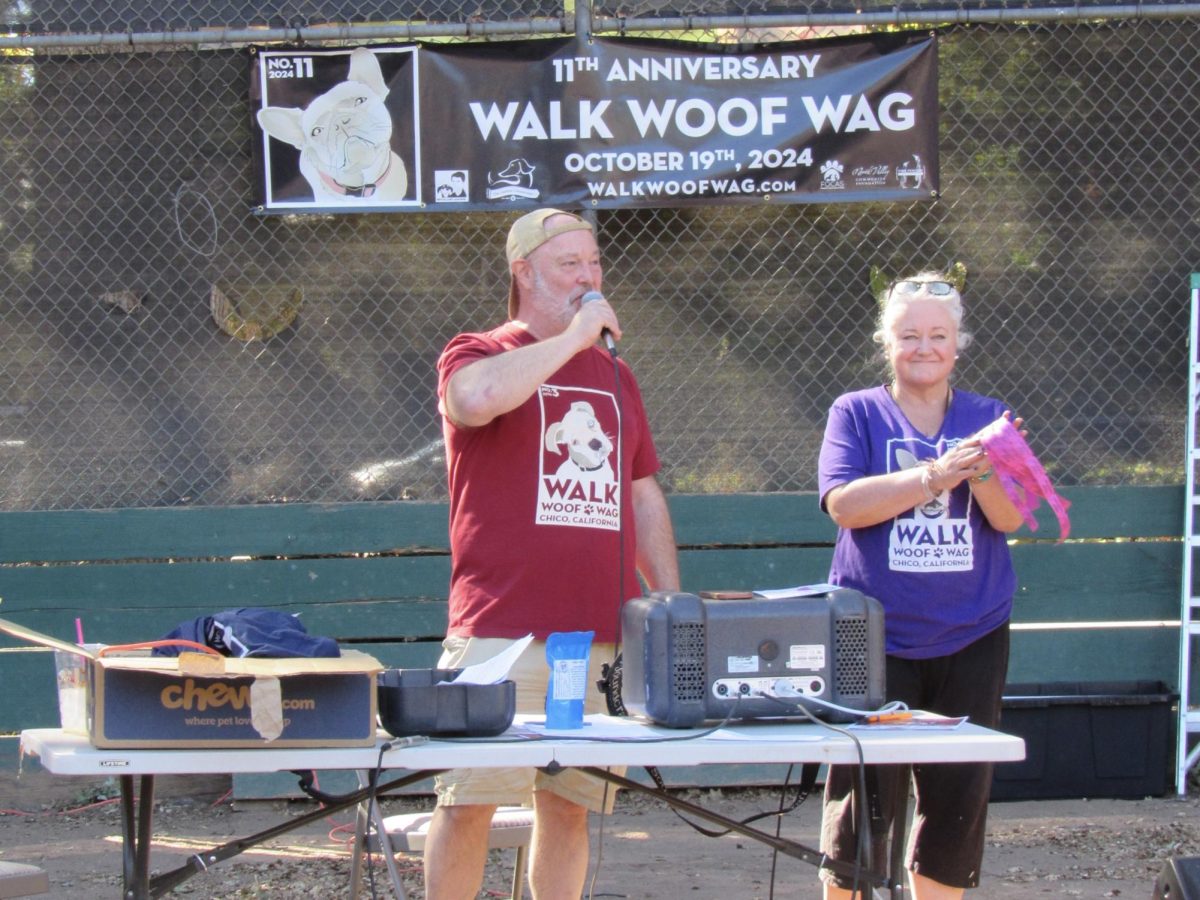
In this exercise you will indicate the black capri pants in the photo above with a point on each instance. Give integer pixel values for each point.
(951, 799)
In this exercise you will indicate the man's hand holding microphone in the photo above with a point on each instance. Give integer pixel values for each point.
(593, 303)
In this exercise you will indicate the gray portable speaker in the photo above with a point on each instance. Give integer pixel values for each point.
(688, 658)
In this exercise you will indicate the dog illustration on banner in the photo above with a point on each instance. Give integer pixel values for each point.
(344, 137)
(513, 182)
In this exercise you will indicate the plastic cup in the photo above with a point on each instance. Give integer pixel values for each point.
(72, 671)
(567, 656)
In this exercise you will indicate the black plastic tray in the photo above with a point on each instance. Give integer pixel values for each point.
(422, 701)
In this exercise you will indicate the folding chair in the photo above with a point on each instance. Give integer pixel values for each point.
(22, 880)
(512, 828)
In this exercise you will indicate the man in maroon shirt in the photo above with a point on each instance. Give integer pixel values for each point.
(554, 511)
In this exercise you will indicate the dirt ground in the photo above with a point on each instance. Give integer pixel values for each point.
(1036, 849)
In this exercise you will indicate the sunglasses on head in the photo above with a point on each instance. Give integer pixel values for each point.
(937, 288)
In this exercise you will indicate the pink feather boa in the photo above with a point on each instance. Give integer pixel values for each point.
(1022, 476)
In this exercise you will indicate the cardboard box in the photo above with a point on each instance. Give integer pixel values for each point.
(196, 700)
(1088, 739)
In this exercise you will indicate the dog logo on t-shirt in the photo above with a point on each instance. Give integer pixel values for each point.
(935, 535)
(586, 446)
(935, 508)
(577, 484)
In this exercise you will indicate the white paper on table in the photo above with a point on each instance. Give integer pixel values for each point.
(494, 670)
(915, 718)
(804, 590)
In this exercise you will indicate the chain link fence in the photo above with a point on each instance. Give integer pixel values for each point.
(1069, 189)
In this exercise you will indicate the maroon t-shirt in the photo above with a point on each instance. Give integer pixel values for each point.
(540, 498)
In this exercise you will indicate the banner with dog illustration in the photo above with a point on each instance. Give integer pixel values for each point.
(610, 123)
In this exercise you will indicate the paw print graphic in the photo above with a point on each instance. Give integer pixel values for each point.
(831, 171)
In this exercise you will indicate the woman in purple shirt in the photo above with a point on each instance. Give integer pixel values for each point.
(921, 527)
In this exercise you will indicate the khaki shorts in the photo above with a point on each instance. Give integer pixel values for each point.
(515, 787)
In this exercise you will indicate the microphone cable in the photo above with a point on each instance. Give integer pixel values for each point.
(610, 675)
(860, 772)
(620, 512)
(609, 683)
(610, 680)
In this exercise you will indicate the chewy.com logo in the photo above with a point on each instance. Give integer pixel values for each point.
(199, 696)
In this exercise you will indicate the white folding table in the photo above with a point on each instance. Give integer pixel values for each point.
(604, 741)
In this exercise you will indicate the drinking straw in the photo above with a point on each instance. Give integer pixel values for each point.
(79, 631)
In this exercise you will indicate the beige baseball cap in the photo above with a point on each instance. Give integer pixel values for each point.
(528, 233)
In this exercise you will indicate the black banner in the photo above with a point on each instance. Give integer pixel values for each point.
(612, 123)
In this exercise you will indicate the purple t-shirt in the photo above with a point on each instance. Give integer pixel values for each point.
(942, 573)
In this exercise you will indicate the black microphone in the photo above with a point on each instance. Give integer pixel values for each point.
(605, 333)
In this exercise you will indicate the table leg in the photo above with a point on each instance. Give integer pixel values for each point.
(165, 882)
(369, 814)
(128, 834)
(900, 837)
(137, 812)
(886, 840)
(361, 823)
(145, 827)
(783, 845)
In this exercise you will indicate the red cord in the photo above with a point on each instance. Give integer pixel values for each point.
(144, 645)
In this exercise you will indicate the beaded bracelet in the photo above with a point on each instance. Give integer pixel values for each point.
(927, 481)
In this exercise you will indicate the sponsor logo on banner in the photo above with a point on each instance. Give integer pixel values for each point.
(513, 182)
(870, 176)
(911, 174)
(831, 176)
(451, 185)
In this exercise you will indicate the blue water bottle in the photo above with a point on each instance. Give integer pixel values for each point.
(567, 656)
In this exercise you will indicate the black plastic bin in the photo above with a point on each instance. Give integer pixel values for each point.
(1088, 739)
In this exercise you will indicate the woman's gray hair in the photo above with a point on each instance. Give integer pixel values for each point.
(890, 303)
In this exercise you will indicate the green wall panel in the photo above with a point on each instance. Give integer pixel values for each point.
(375, 576)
